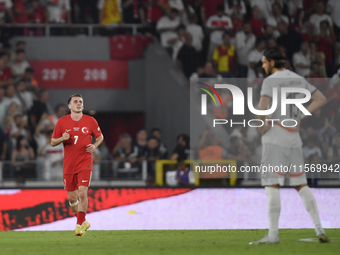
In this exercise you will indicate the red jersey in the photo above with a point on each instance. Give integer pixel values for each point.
(76, 158)
(6, 74)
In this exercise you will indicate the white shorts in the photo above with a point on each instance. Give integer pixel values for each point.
(282, 165)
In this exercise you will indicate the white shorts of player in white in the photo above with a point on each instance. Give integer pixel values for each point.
(282, 165)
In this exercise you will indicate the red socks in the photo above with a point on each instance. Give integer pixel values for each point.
(80, 217)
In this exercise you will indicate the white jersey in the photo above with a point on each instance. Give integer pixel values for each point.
(278, 134)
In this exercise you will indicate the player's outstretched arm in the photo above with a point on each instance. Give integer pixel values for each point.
(57, 141)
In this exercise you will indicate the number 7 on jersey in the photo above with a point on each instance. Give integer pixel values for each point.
(75, 139)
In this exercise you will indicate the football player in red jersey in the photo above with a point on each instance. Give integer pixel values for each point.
(75, 131)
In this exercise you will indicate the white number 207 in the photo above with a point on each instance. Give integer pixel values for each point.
(75, 139)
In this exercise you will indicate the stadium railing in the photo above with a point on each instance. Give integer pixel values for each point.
(89, 27)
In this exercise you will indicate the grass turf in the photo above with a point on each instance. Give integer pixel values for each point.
(163, 242)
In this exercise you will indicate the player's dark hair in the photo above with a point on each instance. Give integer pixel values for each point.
(155, 129)
(184, 137)
(17, 146)
(179, 27)
(19, 43)
(277, 55)
(174, 10)
(126, 136)
(29, 70)
(151, 137)
(19, 51)
(74, 95)
(58, 106)
(220, 8)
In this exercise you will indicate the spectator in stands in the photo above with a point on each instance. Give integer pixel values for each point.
(133, 12)
(156, 132)
(10, 96)
(320, 16)
(237, 23)
(325, 42)
(53, 158)
(311, 148)
(196, 32)
(208, 71)
(21, 154)
(39, 107)
(177, 4)
(254, 57)
(208, 9)
(224, 57)
(334, 151)
(319, 57)
(327, 133)
(276, 18)
(232, 6)
(210, 147)
(155, 10)
(257, 25)
(178, 41)
(264, 7)
(30, 82)
(110, 11)
(244, 42)
(289, 40)
(187, 57)
(302, 60)
(333, 7)
(184, 176)
(217, 24)
(333, 96)
(317, 79)
(152, 154)
(20, 63)
(6, 7)
(294, 6)
(268, 32)
(90, 7)
(316, 121)
(166, 27)
(182, 150)
(5, 72)
(20, 45)
(22, 11)
(3, 108)
(59, 11)
(141, 143)
(41, 137)
(59, 111)
(19, 128)
(301, 25)
(105, 166)
(25, 97)
(126, 153)
(38, 16)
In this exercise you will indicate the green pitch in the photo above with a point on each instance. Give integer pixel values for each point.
(172, 242)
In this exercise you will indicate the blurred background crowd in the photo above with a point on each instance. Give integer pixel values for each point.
(206, 39)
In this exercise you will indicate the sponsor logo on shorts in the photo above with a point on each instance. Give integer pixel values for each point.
(84, 181)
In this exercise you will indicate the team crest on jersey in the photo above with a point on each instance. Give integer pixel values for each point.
(76, 128)
(84, 130)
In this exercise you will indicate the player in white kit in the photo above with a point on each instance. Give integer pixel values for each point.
(282, 146)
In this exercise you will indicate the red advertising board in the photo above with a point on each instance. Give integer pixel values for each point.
(81, 74)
